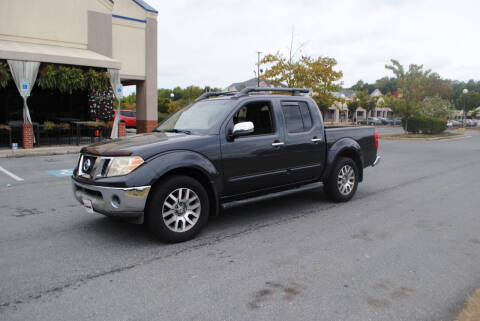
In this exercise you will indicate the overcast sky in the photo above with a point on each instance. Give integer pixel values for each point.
(202, 42)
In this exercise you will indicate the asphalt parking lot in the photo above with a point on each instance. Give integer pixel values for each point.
(407, 247)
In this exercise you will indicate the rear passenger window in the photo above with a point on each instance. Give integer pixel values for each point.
(293, 119)
(297, 117)
(306, 117)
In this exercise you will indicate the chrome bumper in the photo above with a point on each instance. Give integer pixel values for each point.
(377, 160)
(128, 203)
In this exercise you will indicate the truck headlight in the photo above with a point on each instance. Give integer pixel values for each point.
(123, 165)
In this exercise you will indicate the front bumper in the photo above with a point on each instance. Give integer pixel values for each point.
(126, 203)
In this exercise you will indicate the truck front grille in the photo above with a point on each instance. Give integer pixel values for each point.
(93, 166)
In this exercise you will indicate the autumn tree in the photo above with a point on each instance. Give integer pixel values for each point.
(305, 72)
(173, 106)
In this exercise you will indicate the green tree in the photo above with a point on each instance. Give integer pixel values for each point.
(410, 86)
(359, 86)
(386, 85)
(352, 106)
(181, 96)
(163, 99)
(188, 95)
(437, 107)
(471, 100)
(397, 105)
(366, 101)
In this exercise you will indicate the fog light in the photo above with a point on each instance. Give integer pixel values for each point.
(115, 201)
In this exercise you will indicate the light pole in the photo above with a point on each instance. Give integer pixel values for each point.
(465, 92)
(258, 68)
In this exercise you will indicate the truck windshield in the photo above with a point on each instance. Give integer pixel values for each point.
(203, 117)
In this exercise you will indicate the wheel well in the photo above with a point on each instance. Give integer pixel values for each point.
(352, 154)
(196, 174)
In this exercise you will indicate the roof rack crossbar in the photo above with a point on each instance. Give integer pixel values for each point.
(215, 94)
(294, 91)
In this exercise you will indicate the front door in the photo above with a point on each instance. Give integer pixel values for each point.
(254, 162)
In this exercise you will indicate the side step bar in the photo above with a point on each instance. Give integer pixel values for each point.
(299, 189)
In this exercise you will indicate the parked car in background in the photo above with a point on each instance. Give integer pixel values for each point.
(385, 121)
(370, 121)
(397, 121)
(471, 122)
(129, 117)
(453, 123)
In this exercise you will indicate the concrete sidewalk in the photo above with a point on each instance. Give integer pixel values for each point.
(40, 151)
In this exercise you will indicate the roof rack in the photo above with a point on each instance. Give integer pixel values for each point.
(294, 91)
(215, 94)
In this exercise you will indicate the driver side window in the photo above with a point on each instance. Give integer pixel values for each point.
(260, 114)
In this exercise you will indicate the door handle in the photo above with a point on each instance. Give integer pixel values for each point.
(277, 143)
(316, 139)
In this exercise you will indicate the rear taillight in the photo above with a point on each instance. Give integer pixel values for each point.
(375, 134)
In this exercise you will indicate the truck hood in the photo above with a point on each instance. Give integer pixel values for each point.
(145, 145)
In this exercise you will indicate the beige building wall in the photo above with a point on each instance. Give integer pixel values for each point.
(129, 45)
(56, 22)
(128, 8)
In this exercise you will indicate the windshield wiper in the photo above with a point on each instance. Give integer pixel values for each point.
(174, 130)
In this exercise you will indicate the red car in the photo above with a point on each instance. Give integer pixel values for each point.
(129, 117)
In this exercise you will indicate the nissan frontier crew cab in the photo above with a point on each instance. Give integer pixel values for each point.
(223, 150)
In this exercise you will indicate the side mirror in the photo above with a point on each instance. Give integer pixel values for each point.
(242, 129)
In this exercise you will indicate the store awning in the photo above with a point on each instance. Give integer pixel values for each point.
(55, 54)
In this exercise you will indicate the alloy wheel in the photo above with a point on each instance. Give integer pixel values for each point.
(346, 180)
(181, 209)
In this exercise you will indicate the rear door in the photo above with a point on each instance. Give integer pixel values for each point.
(304, 140)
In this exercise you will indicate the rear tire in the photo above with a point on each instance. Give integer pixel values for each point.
(342, 183)
(178, 209)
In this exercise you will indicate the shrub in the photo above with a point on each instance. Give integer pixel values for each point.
(162, 117)
(173, 106)
(5, 127)
(63, 126)
(49, 125)
(424, 125)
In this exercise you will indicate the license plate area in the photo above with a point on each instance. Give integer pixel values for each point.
(87, 204)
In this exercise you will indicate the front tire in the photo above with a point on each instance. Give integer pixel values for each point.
(178, 209)
(343, 180)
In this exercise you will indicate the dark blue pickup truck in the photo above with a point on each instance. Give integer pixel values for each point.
(223, 150)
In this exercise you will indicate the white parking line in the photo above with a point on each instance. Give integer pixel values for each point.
(15, 177)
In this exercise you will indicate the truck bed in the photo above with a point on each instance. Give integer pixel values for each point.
(364, 135)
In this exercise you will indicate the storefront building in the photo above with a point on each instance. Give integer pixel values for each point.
(113, 35)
